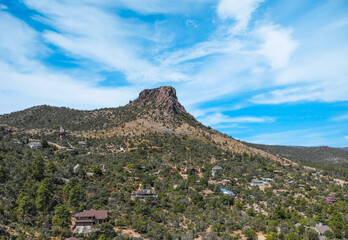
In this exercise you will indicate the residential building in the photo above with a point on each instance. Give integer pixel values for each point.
(258, 183)
(216, 171)
(91, 217)
(34, 145)
(143, 194)
(76, 168)
(330, 200)
(228, 192)
(190, 170)
(267, 180)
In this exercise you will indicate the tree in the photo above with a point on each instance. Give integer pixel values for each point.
(44, 194)
(2, 174)
(271, 236)
(292, 236)
(24, 204)
(75, 195)
(62, 217)
(311, 234)
(38, 168)
(250, 234)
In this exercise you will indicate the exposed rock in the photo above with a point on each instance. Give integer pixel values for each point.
(163, 98)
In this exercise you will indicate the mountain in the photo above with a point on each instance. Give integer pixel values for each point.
(156, 173)
(344, 148)
(155, 110)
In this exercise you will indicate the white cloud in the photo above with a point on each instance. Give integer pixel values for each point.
(25, 81)
(218, 118)
(240, 10)
(346, 137)
(90, 32)
(307, 137)
(277, 45)
(3, 7)
(341, 118)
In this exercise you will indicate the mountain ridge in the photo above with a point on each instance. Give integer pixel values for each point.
(155, 110)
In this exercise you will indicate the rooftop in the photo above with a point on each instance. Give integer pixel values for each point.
(98, 214)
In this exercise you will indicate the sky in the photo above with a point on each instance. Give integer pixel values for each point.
(262, 71)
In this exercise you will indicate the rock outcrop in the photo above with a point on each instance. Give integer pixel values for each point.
(163, 98)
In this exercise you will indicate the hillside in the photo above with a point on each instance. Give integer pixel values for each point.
(158, 174)
(156, 110)
(323, 157)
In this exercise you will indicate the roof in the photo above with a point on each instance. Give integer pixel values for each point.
(322, 228)
(76, 166)
(225, 191)
(72, 238)
(145, 192)
(98, 214)
(217, 168)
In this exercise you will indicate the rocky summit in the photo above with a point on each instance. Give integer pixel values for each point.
(162, 97)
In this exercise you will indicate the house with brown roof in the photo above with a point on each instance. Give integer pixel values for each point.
(91, 217)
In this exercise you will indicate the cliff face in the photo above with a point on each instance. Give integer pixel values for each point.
(163, 98)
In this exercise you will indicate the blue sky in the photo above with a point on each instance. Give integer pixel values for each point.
(263, 71)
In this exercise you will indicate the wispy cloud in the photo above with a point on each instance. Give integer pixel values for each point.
(218, 118)
(341, 118)
(239, 10)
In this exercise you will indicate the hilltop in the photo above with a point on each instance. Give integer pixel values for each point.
(155, 110)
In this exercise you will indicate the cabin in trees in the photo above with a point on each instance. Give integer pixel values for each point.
(91, 217)
(143, 194)
(216, 171)
(330, 200)
(227, 193)
(35, 145)
(61, 133)
(258, 183)
(190, 170)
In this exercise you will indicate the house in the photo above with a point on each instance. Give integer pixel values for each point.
(330, 200)
(268, 180)
(321, 229)
(72, 238)
(143, 194)
(82, 143)
(277, 171)
(207, 192)
(216, 171)
(228, 192)
(89, 174)
(258, 183)
(70, 149)
(91, 217)
(76, 168)
(34, 145)
(61, 133)
(190, 170)
(281, 191)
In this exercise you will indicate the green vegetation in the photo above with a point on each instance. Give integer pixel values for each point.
(334, 161)
(40, 191)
